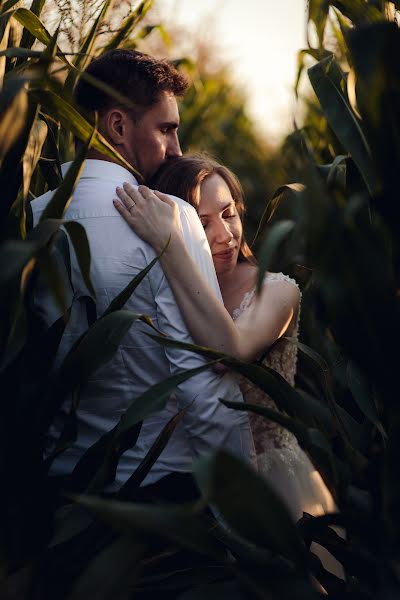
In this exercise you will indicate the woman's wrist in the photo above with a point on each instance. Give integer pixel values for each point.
(172, 245)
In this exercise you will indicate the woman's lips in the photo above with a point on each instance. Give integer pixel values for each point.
(225, 254)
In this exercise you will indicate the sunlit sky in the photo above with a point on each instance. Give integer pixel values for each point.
(259, 39)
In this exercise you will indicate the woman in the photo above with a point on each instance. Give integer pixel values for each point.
(249, 324)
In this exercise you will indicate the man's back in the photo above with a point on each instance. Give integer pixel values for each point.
(117, 256)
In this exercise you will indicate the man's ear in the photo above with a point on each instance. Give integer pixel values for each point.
(115, 126)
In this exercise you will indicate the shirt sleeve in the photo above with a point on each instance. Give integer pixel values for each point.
(208, 423)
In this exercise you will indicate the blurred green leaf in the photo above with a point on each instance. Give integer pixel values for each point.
(7, 5)
(119, 558)
(358, 11)
(32, 153)
(118, 302)
(62, 197)
(49, 270)
(80, 243)
(175, 523)
(128, 25)
(84, 55)
(70, 118)
(272, 241)
(28, 38)
(96, 347)
(13, 113)
(127, 489)
(227, 484)
(14, 255)
(97, 466)
(318, 13)
(4, 35)
(290, 190)
(342, 119)
(363, 394)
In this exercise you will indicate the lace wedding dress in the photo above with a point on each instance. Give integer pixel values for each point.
(279, 457)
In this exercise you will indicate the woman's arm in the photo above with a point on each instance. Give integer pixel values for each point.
(155, 218)
(271, 314)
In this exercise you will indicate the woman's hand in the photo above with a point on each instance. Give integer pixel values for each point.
(152, 215)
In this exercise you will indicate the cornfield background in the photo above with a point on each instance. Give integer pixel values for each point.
(335, 226)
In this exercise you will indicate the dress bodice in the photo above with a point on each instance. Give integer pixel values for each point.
(282, 358)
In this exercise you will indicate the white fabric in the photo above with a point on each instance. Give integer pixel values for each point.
(117, 255)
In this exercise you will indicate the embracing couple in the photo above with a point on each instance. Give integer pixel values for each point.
(203, 290)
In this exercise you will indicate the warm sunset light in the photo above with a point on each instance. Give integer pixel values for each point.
(259, 39)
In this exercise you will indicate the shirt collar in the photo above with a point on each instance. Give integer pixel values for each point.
(102, 169)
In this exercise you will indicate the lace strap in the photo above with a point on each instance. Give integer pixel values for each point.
(248, 297)
(274, 277)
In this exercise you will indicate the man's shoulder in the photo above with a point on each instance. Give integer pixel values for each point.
(183, 205)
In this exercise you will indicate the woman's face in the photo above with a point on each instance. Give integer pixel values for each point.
(221, 222)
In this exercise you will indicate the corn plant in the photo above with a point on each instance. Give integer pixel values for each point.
(342, 225)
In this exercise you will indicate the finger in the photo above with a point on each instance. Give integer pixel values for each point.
(164, 198)
(128, 201)
(122, 210)
(147, 193)
(133, 193)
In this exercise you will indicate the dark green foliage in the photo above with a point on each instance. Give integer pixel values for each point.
(338, 228)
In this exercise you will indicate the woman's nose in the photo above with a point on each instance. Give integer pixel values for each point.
(224, 234)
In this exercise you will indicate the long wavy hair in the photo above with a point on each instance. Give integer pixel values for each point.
(183, 176)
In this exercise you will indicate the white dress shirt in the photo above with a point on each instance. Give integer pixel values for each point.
(117, 255)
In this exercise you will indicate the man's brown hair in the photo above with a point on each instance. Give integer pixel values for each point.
(139, 77)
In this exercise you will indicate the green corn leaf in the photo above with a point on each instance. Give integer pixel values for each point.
(84, 55)
(118, 302)
(14, 255)
(8, 5)
(81, 246)
(291, 190)
(120, 558)
(61, 110)
(228, 484)
(13, 113)
(33, 25)
(363, 394)
(318, 13)
(4, 41)
(342, 119)
(175, 523)
(63, 195)
(128, 25)
(52, 276)
(268, 380)
(152, 455)
(32, 153)
(358, 11)
(310, 439)
(97, 467)
(28, 38)
(97, 346)
(274, 238)
(11, 173)
(316, 53)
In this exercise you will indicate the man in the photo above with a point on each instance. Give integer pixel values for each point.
(145, 136)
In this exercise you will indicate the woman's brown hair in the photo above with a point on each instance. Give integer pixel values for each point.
(183, 176)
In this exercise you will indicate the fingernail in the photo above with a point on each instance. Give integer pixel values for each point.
(118, 189)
